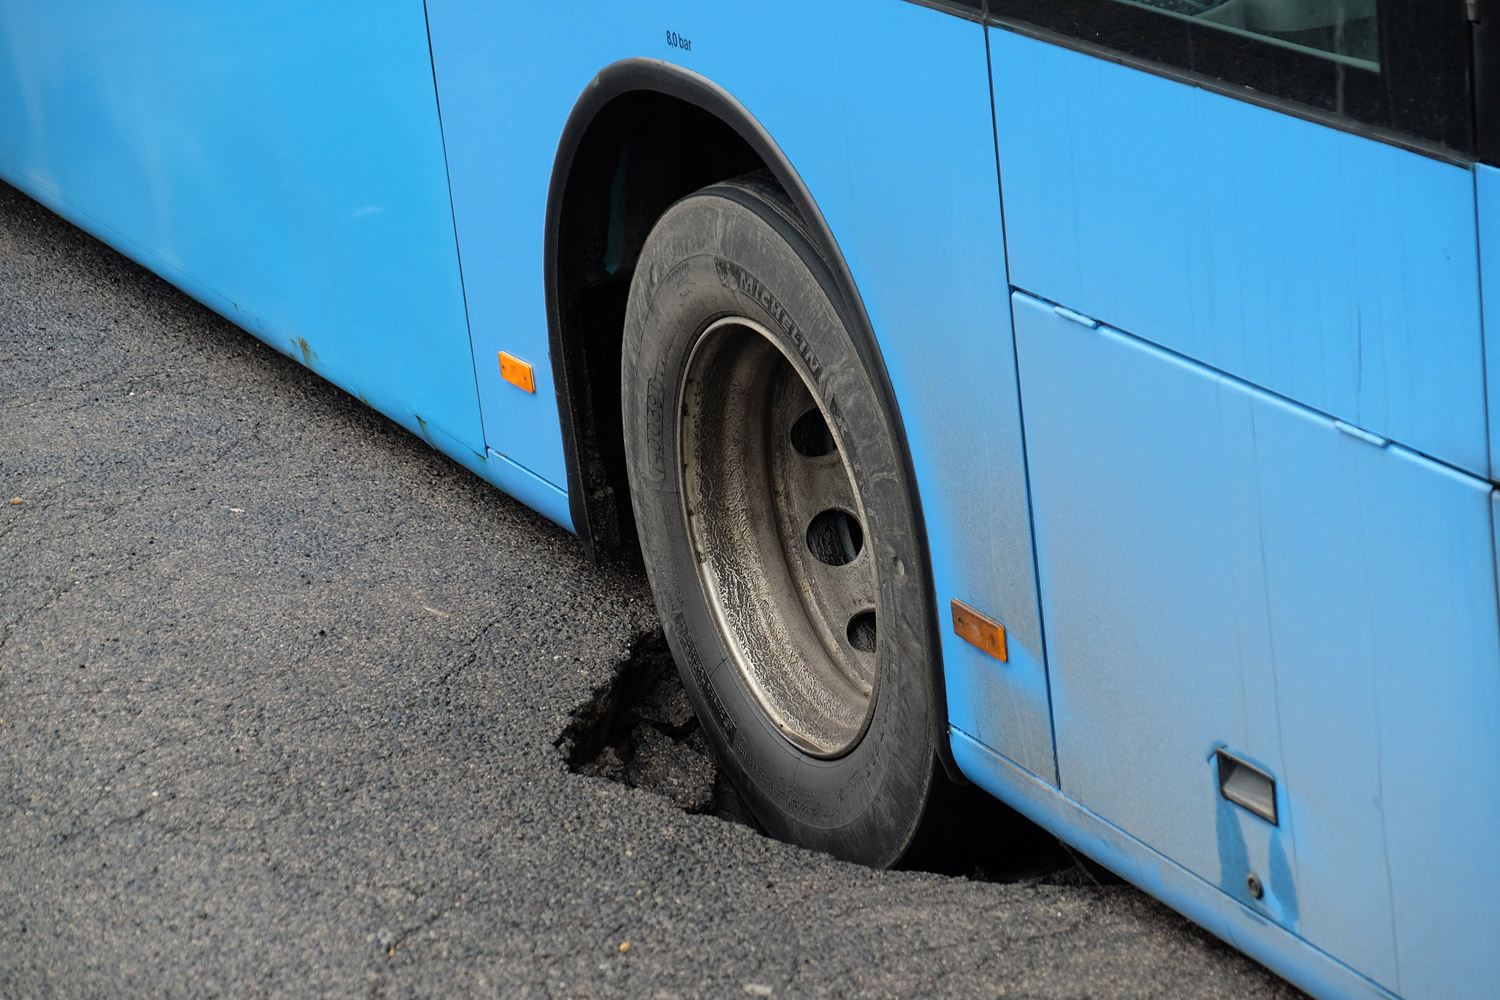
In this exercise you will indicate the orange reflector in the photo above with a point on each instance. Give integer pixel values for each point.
(516, 372)
(973, 627)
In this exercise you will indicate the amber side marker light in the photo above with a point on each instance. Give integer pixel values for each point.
(516, 372)
(974, 628)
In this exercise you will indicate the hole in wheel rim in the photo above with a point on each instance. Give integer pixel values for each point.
(835, 538)
(861, 631)
(811, 436)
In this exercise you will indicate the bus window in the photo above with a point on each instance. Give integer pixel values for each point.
(1339, 29)
(1398, 72)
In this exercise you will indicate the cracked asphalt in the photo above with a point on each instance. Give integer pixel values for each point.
(279, 691)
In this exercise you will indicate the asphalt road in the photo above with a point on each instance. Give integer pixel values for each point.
(280, 692)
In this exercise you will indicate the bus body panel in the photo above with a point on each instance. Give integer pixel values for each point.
(1221, 568)
(1203, 902)
(906, 182)
(1487, 197)
(506, 82)
(282, 164)
(1326, 267)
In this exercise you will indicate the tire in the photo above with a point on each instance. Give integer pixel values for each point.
(778, 525)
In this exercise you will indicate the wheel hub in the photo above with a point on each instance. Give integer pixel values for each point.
(779, 536)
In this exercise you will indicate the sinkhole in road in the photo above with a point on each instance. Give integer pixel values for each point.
(638, 729)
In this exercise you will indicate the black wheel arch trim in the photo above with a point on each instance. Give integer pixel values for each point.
(654, 75)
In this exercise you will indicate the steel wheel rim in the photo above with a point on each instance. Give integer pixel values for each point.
(779, 536)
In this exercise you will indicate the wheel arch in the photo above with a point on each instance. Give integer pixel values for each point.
(636, 112)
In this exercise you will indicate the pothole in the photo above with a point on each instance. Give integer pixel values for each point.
(639, 730)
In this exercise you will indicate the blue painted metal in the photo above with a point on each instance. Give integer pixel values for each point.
(529, 488)
(1328, 268)
(1487, 196)
(912, 156)
(282, 163)
(1219, 567)
(1202, 901)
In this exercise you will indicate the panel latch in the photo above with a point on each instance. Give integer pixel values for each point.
(1247, 786)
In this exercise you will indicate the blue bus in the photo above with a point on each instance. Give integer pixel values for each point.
(1084, 399)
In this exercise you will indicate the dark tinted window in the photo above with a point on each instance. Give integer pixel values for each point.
(1346, 30)
(1395, 66)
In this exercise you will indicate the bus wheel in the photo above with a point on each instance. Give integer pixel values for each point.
(778, 525)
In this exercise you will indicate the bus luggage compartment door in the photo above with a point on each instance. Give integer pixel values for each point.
(1223, 570)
